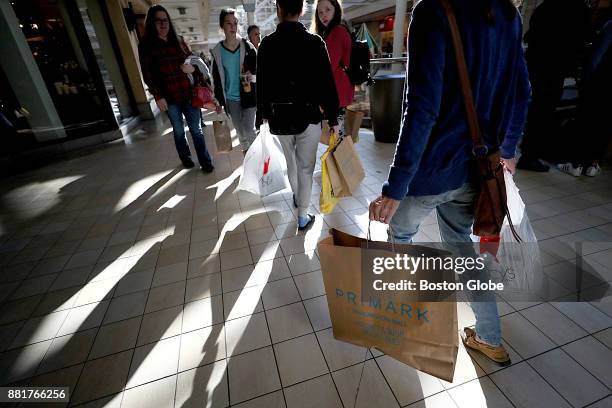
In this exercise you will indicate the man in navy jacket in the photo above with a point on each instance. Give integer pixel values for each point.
(433, 166)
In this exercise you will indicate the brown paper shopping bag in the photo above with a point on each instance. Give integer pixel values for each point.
(420, 334)
(339, 187)
(223, 134)
(349, 165)
(352, 123)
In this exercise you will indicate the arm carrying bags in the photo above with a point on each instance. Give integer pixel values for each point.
(491, 207)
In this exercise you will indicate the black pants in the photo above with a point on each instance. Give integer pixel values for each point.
(594, 129)
(546, 91)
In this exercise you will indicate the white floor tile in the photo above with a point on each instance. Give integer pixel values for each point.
(315, 393)
(21, 363)
(279, 293)
(480, 393)
(116, 337)
(242, 303)
(272, 400)
(154, 361)
(593, 356)
(68, 350)
(158, 393)
(572, 381)
(89, 387)
(252, 374)
(318, 312)
(164, 297)
(246, 333)
(524, 337)
(553, 323)
(299, 359)
(202, 313)
(373, 391)
(203, 386)
(288, 322)
(524, 387)
(310, 284)
(201, 347)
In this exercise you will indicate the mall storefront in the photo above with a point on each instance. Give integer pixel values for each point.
(64, 80)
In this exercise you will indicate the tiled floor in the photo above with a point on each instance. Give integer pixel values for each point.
(140, 284)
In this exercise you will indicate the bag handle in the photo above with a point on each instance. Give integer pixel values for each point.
(479, 148)
(369, 236)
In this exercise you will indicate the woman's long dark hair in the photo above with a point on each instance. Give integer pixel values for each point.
(317, 26)
(151, 30)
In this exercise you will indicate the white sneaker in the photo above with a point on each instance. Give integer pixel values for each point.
(593, 170)
(570, 169)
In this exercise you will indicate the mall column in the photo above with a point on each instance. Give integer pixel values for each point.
(398, 33)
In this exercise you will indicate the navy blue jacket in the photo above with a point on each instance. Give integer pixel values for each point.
(433, 154)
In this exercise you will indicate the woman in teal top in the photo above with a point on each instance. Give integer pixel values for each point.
(234, 70)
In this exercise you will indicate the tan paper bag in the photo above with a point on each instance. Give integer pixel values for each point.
(348, 164)
(352, 123)
(223, 134)
(339, 187)
(420, 334)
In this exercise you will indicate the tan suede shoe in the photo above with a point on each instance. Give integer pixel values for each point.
(495, 353)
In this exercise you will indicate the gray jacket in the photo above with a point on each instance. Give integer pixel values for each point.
(248, 62)
(198, 63)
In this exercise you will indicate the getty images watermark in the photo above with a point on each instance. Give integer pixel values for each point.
(412, 264)
(514, 272)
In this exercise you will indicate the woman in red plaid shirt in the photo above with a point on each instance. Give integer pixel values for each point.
(162, 59)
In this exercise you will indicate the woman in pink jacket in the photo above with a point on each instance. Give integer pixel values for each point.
(327, 22)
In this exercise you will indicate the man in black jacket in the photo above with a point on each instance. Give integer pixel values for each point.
(295, 84)
(556, 36)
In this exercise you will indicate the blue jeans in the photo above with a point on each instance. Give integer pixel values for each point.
(175, 114)
(455, 212)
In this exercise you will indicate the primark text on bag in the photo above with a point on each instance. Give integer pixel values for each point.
(421, 334)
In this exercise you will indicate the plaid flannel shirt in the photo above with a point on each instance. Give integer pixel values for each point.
(161, 70)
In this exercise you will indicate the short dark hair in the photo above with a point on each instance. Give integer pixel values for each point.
(291, 7)
(251, 28)
(224, 13)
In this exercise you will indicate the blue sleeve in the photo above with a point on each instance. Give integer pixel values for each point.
(600, 49)
(425, 76)
(520, 108)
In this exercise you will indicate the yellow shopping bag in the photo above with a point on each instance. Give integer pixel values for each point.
(327, 201)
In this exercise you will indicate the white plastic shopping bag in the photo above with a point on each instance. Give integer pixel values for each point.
(518, 215)
(516, 206)
(518, 262)
(264, 166)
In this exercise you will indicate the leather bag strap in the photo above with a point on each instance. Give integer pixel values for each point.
(464, 79)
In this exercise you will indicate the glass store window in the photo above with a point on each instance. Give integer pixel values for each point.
(60, 46)
(14, 125)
